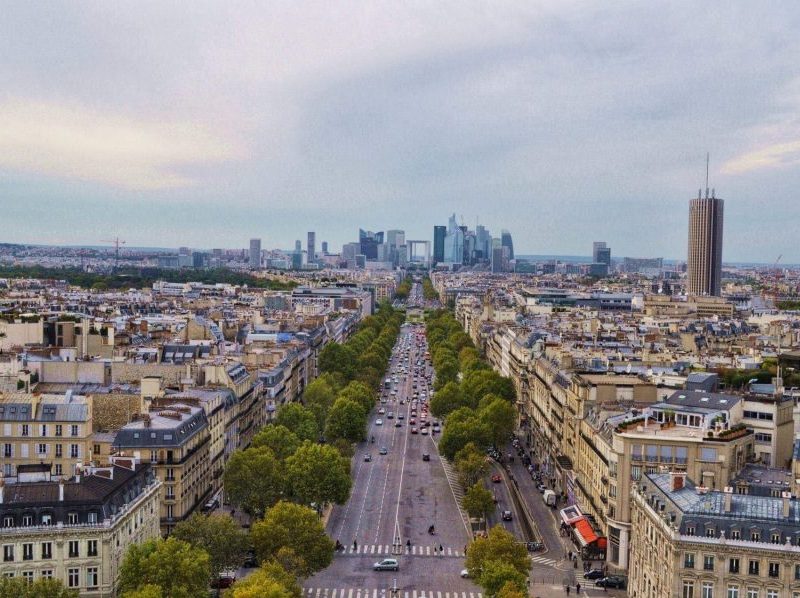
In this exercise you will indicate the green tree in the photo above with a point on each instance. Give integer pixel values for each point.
(360, 393)
(179, 569)
(447, 399)
(319, 396)
(18, 587)
(498, 545)
(470, 464)
(463, 426)
(148, 591)
(254, 480)
(288, 580)
(478, 501)
(498, 576)
(346, 420)
(279, 439)
(499, 417)
(297, 528)
(335, 358)
(219, 535)
(318, 474)
(299, 420)
(510, 590)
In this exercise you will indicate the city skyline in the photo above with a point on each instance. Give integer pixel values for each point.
(524, 117)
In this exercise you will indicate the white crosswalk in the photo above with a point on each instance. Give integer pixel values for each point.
(544, 561)
(386, 549)
(384, 593)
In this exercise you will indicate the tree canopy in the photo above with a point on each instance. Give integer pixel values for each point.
(219, 536)
(279, 439)
(18, 587)
(299, 420)
(179, 569)
(347, 420)
(478, 501)
(255, 480)
(317, 473)
(498, 545)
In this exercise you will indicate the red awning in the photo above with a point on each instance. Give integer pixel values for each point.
(584, 532)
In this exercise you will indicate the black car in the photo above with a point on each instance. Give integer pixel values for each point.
(426, 457)
(612, 581)
(507, 516)
(594, 574)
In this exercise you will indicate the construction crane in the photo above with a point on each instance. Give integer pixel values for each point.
(117, 242)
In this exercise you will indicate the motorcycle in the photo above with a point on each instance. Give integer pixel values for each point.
(432, 530)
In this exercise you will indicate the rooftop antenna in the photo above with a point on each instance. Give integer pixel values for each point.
(708, 156)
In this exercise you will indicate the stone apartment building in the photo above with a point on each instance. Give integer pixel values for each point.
(692, 542)
(46, 428)
(76, 530)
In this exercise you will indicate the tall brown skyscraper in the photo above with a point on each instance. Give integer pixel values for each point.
(705, 245)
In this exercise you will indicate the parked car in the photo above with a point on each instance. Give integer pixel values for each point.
(507, 516)
(612, 581)
(386, 565)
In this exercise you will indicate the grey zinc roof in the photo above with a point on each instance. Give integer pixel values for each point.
(162, 431)
(705, 400)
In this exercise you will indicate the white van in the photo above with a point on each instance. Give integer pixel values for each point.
(549, 498)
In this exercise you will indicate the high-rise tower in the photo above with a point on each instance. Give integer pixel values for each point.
(255, 254)
(704, 264)
(312, 246)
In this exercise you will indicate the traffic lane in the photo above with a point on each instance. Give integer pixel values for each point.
(416, 573)
(505, 502)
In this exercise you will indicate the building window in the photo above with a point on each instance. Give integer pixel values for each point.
(776, 538)
(73, 548)
(91, 577)
(47, 550)
(8, 521)
(772, 593)
(688, 589)
(774, 570)
(73, 451)
(96, 449)
(91, 517)
(755, 536)
(72, 518)
(59, 428)
(8, 553)
(91, 548)
(25, 430)
(688, 560)
(733, 591)
(27, 520)
(27, 552)
(73, 578)
(27, 576)
(753, 567)
(752, 592)
(7, 452)
(59, 469)
(59, 450)
(47, 519)
(73, 430)
(736, 534)
(690, 530)
(710, 532)
(797, 572)
(733, 566)
(708, 562)
(41, 448)
(47, 573)
(707, 589)
(44, 431)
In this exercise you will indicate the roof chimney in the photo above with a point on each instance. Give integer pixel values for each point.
(728, 496)
(786, 497)
(677, 479)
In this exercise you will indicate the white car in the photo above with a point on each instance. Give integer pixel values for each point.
(465, 573)
(379, 422)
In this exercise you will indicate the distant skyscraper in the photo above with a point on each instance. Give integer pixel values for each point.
(324, 248)
(505, 241)
(255, 253)
(312, 246)
(704, 266)
(500, 257)
(298, 246)
(454, 242)
(596, 247)
(439, 234)
(396, 238)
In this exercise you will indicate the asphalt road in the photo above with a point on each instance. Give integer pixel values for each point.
(395, 498)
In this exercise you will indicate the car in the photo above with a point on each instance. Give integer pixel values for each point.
(507, 516)
(368, 457)
(383, 451)
(211, 505)
(400, 416)
(594, 574)
(386, 565)
(412, 421)
(390, 415)
(541, 488)
(381, 411)
(436, 429)
(397, 424)
(612, 581)
(250, 561)
(414, 430)
(426, 457)
(424, 431)
(465, 573)
(497, 478)
(379, 422)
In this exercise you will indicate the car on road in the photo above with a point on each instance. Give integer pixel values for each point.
(368, 457)
(381, 411)
(379, 422)
(397, 424)
(383, 451)
(400, 416)
(390, 415)
(424, 431)
(386, 565)
(465, 573)
(497, 478)
(426, 457)
(594, 574)
(612, 581)
(507, 516)
(414, 431)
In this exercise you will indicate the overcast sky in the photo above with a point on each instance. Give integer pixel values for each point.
(205, 124)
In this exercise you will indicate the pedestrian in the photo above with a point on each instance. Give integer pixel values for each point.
(577, 588)
(465, 550)
(355, 545)
(570, 555)
(567, 590)
(441, 550)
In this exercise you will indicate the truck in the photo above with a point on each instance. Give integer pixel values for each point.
(549, 498)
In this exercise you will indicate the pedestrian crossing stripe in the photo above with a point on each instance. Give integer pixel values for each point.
(386, 549)
(544, 561)
(384, 593)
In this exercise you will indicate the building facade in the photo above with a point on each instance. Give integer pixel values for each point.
(704, 266)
